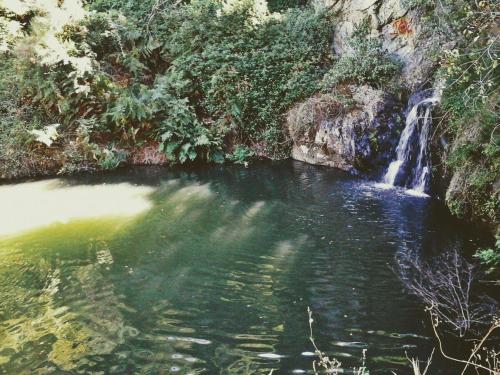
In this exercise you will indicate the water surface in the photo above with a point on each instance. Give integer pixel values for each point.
(210, 271)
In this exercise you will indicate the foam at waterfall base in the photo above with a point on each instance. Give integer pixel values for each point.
(417, 193)
(412, 192)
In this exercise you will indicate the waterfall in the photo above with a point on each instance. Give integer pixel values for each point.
(412, 166)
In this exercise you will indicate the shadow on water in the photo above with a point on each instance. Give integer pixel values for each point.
(216, 276)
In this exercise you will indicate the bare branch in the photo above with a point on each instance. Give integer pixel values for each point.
(445, 283)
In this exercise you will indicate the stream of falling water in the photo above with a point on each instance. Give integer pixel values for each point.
(412, 166)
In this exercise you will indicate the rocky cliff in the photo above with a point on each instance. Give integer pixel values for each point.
(359, 133)
(356, 122)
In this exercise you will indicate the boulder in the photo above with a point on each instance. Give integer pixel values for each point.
(353, 128)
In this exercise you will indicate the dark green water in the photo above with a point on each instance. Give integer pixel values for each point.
(216, 275)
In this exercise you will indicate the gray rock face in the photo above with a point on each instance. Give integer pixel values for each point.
(353, 128)
(360, 131)
(397, 25)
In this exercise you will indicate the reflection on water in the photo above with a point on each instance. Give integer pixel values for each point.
(34, 204)
(211, 271)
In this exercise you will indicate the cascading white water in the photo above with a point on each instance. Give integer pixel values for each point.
(411, 168)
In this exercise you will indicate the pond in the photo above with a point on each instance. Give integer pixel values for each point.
(210, 270)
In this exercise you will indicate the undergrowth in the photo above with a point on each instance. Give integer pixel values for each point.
(194, 77)
(364, 62)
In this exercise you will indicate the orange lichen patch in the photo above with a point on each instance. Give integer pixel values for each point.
(402, 27)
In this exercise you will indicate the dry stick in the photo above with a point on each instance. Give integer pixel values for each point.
(428, 362)
(311, 338)
(492, 328)
(415, 363)
(457, 275)
(323, 360)
(467, 363)
(492, 139)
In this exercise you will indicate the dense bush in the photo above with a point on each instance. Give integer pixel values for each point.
(280, 5)
(490, 256)
(474, 159)
(193, 76)
(241, 155)
(16, 121)
(470, 107)
(364, 62)
(244, 69)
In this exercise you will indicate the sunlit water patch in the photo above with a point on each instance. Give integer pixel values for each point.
(210, 271)
(31, 205)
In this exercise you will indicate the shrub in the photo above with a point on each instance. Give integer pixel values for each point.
(241, 155)
(281, 5)
(490, 256)
(17, 119)
(111, 158)
(365, 61)
(240, 83)
(175, 73)
(444, 283)
(470, 110)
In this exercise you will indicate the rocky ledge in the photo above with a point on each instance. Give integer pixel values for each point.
(353, 128)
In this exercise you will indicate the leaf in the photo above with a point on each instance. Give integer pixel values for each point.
(153, 44)
(184, 153)
(235, 109)
(185, 147)
(46, 136)
(165, 136)
(192, 154)
(202, 140)
(171, 147)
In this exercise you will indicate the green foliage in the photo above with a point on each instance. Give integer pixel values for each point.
(245, 81)
(188, 75)
(418, 3)
(241, 155)
(281, 5)
(183, 137)
(111, 158)
(475, 157)
(16, 120)
(470, 105)
(490, 257)
(365, 61)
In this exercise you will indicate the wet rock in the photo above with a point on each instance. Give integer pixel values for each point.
(353, 128)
